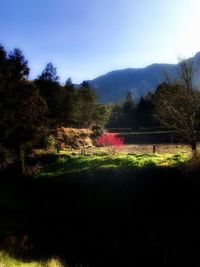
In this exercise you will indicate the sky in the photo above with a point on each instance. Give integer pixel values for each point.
(87, 38)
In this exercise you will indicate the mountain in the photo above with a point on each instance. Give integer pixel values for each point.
(113, 86)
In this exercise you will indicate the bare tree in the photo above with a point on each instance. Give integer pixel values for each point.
(187, 68)
(177, 104)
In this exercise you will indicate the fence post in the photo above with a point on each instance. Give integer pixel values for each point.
(58, 147)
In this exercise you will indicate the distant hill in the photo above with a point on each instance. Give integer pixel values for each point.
(113, 86)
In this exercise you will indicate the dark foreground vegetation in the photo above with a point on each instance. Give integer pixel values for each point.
(104, 217)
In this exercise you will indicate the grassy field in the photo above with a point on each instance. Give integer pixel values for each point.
(8, 261)
(66, 164)
(98, 158)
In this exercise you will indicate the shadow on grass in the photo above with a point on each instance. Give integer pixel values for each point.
(104, 217)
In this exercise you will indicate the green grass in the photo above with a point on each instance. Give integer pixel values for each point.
(7, 261)
(76, 164)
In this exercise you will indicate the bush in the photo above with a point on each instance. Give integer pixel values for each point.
(111, 141)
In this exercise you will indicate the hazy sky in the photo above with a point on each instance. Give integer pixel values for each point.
(87, 38)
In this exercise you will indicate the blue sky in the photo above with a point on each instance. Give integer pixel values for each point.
(87, 38)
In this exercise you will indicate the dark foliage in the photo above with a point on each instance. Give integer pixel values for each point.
(17, 65)
(123, 115)
(106, 218)
(145, 113)
(21, 106)
(29, 108)
(135, 115)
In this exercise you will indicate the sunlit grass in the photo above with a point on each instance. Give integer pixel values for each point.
(7, 261)
(75, 164)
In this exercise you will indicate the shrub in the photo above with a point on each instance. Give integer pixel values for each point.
(111, 141)
(50, 143)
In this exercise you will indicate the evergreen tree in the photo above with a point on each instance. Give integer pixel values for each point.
(116, 117)
(68, 112)
(22, 108)
(145, 113)
(101, 115)
(50, 89)
(3, 64)
(128, 110)
(49, 73)
(17, 65)
(86, 102)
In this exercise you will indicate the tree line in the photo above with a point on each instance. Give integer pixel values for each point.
(133, 114)
(30, 110)
(175, 106)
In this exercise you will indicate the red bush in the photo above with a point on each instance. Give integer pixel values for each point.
(111, 141)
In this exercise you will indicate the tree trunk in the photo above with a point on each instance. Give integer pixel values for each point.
(194, 148)
(19, 162)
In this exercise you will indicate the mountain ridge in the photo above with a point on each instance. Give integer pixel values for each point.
(113, 86)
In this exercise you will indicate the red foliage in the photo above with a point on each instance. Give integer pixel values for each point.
(111, 141)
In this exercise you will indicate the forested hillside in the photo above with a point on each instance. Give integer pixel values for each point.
(113, 86)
